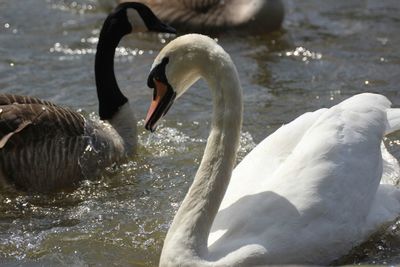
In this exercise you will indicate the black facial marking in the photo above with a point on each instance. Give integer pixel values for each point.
(158, 73)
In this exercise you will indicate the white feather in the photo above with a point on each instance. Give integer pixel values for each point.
(306, 194)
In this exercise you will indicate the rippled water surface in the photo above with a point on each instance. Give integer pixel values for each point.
(327, 51)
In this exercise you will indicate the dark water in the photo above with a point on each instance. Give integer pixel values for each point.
(327, 51)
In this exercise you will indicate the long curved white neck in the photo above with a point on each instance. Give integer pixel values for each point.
(186, 241)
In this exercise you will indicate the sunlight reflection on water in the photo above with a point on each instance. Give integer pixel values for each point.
(326, 52)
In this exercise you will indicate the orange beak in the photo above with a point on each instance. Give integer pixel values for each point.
(162, 101)
(161, 90)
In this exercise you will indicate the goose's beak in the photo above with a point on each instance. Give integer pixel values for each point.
(163, 98)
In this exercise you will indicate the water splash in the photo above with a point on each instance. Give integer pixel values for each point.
(167, 141)
(302, 53)
(78, 7)
(123, 54)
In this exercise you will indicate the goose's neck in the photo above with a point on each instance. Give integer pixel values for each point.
(113, 105)
(186, 241)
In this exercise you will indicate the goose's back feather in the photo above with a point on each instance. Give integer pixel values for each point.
(34, 119)
(8, 99)
(218, 16)
(44, 147)
(311, 186)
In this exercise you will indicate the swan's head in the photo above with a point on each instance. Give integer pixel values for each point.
(132, 16)
(179, 64)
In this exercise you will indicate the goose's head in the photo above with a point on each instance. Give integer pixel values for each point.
(118, 24)
(178, 65)
(133, 16)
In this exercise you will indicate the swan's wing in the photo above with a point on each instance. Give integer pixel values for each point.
(393, 120)
(260, 164)
(391, 168)
(339, 158)
(385, 208)
(266, 157)
(325, 186)
(386, 205)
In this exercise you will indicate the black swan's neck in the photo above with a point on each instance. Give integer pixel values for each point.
(109, 95)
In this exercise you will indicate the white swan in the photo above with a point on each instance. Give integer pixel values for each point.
(305, 195)
(45, 147)
(249, 16)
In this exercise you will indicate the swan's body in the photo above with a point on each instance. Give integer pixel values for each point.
(45, 147)
(250, 16)
(313, 186)
(305, 195)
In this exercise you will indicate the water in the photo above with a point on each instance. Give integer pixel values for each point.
(327, 51)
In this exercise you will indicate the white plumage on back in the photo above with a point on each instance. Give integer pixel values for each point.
(393, 120)
(307, 194)
(298, 188)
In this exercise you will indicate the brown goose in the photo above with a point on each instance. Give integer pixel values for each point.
(45, 147)
(216, 16)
